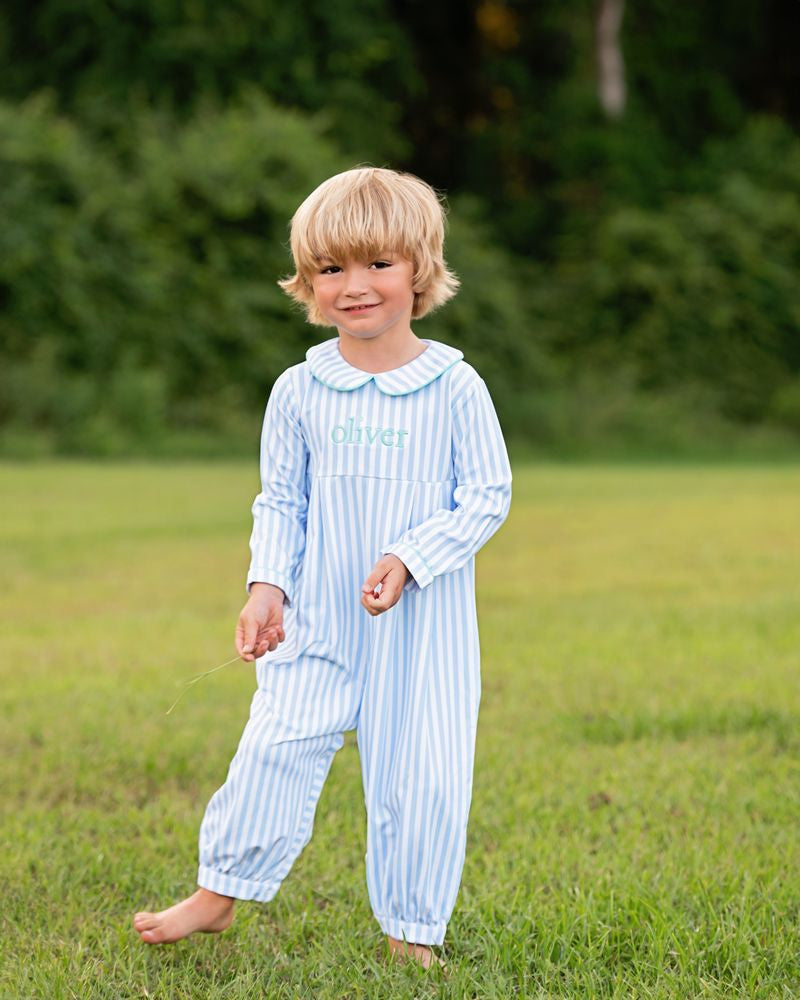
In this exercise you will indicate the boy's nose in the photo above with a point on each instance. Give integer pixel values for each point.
(355, 284)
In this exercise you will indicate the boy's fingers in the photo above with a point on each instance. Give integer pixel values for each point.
(375, 605)
(249, 637)
(375, 593)
(377, 574)
(254, 641)
(274, 636)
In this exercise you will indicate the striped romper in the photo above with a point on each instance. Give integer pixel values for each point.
(356, 465)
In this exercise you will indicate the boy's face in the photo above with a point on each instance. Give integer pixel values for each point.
(366, 298)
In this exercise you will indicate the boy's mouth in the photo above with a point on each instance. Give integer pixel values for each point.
(360, 308)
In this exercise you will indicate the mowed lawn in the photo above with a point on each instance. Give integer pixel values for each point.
(634, 824)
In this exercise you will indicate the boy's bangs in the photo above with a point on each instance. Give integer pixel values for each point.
(360, 226)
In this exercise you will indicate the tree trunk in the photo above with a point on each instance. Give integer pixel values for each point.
(610, 64)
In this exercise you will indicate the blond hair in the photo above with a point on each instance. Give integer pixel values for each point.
(361, 213)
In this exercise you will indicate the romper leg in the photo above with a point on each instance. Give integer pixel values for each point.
(258, 822)
(416, 738)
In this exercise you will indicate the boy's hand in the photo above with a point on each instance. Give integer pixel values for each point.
(260, 625)
(389, 575)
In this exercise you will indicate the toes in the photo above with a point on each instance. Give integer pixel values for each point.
(156, 935)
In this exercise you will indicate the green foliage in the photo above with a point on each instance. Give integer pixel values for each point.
(100, 61)
(148, 181)
(142, 293)
(140, 289)
(488, 317)
(140, 309)
(693, 70)
(785, 405)
(700, 293)
(493, 98)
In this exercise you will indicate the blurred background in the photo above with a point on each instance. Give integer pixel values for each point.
(623, 182)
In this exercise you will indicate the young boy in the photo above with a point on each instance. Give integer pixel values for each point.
(383, 471)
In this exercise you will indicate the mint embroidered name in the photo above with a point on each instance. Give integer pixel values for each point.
(349, 433)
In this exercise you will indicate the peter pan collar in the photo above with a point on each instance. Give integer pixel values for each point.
(329, 367)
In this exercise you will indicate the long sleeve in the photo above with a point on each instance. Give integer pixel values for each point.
(278, 540)
(482, 496)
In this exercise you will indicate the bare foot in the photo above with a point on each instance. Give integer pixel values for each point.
(421, 952)
(204, 911)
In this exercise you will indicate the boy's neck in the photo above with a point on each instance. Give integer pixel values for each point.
(380, 354)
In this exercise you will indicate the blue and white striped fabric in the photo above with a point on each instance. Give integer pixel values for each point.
(355, 465)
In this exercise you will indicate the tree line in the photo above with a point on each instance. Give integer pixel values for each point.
(623, 188)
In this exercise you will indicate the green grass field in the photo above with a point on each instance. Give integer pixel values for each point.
(634, 825)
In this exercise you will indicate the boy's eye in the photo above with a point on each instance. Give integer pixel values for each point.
(333, 268)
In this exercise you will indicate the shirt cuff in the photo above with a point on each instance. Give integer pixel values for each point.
(421, 573)
(273, 576)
